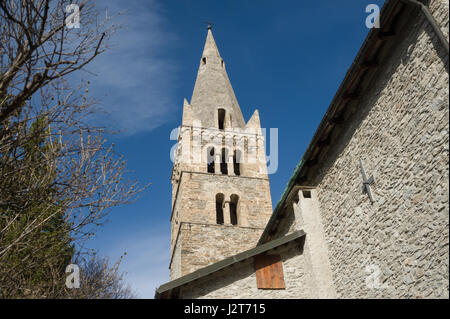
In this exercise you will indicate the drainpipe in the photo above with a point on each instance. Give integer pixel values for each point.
(431, 20)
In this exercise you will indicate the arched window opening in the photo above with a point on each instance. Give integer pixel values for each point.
(233, 209)
(219, 208)
(221, 118)
(210, 160)
(203, 61)
(236, 162)
(223, 64)
(223, 162)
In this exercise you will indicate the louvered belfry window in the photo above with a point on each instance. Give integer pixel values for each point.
(269, 272)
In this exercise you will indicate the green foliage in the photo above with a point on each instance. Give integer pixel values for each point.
(38, 255)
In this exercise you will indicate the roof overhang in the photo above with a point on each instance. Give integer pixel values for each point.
(165, 290)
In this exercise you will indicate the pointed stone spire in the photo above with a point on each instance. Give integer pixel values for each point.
(210, 49)
(187, 113)
(254, 124)
(213, 90)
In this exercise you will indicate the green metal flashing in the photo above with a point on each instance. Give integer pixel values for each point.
(227, 262)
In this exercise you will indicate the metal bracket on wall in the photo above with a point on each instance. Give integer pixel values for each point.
(366, 182)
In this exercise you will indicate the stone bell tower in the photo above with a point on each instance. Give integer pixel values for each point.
(220, 188)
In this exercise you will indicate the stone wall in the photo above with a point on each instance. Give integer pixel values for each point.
(201, 241)
(175, 262)
(397, 247)
(198, 198)
(204, 244)
(302, 213)
(239, 280)
(439, 9)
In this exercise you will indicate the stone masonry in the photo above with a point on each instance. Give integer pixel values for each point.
(239, 281)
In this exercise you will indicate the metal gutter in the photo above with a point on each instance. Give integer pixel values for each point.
(200, 273)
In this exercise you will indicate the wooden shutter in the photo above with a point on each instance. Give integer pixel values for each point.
(269, 272)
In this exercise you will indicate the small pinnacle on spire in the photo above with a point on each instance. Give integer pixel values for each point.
(209, 25)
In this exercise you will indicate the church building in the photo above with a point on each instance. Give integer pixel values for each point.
(365, 213)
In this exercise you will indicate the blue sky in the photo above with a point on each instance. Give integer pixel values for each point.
(286, 58)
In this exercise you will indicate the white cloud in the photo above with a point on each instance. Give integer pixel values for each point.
(135, 78)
